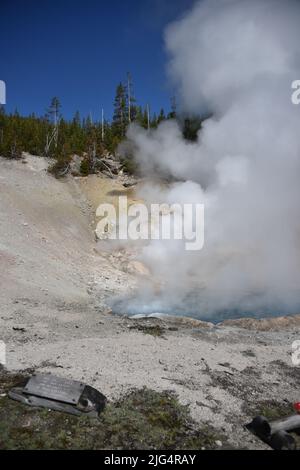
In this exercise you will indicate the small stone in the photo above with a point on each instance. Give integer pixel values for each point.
(219, 443)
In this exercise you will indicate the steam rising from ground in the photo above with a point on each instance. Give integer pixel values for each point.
(236, 59)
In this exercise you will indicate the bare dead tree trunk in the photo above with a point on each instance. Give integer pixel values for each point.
(129, 96)
(102, 125)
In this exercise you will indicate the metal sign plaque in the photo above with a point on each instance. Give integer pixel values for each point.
(54, 388)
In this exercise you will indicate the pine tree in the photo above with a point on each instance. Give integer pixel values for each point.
(131, 101)
(54, 117)
(76, 119)
(54, 110)
(173, 113)
(161, 116)
(58, 138)
(120, 112)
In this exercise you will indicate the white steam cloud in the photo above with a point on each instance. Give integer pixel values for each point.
(237, 60)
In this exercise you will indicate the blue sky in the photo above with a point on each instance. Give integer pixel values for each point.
(80, 50)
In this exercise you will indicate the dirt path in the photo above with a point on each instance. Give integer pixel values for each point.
(54, 287)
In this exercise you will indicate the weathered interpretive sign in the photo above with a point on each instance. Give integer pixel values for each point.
(61, 394)
(54, 388)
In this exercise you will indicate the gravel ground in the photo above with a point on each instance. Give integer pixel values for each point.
(54, 290)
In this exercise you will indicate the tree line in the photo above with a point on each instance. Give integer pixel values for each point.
(55, 137)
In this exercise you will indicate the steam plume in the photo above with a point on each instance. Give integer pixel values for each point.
(237, 60)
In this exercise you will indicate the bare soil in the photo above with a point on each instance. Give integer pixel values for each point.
(55, 284)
